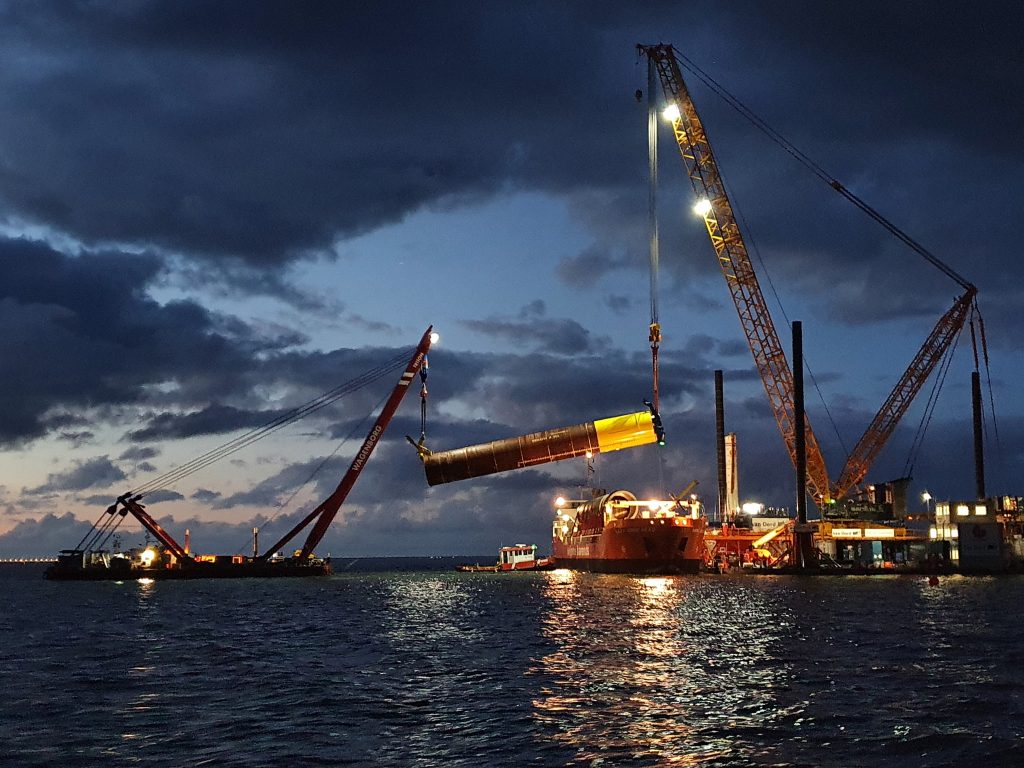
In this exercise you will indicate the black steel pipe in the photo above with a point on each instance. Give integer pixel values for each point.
(979, 439)
(720, 446)
(599, 436)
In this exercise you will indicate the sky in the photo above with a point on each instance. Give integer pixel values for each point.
(211, 213)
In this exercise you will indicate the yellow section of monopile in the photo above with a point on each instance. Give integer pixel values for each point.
(628, 431)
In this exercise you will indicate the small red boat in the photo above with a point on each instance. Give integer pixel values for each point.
(520, 557)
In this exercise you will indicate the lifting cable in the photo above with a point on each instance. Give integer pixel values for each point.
(223, 451)
(929, 409)
(357, 428)
(778, 300)
(654, 245)
(976, 316)
(988, 374)
(95, 530)
(105, 531)
(110, 521)
(817, 170)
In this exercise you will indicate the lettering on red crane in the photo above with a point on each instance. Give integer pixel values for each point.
(368, 446)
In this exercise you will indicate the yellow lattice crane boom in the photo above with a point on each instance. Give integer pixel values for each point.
(734, 260)
(769, 358)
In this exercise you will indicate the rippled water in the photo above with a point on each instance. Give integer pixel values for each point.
(451, 669)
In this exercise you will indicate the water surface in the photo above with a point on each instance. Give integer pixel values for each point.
(424, 668)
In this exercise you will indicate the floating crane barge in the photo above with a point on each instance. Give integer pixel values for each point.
(170, 560)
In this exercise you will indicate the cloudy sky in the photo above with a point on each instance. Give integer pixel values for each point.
(213, 212)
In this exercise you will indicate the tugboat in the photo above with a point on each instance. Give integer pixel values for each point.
(520, 557)
(617, 533)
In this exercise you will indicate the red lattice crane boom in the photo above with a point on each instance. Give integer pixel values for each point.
(906, 389)
(131, 504)
(326, 511)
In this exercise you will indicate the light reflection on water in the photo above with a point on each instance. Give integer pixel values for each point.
(662, 670)
(558, 668)
(434, 610)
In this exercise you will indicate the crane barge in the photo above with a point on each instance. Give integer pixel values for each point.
(171, 560)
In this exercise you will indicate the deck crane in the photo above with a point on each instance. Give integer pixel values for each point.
(769, 358)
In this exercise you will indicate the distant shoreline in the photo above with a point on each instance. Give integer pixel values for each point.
(340, 564)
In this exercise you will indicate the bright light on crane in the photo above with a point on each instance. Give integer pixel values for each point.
(702, 207)
(671, 112)
(435, 337)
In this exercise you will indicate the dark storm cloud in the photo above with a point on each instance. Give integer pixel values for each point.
(43, 537)
(532, 327)
(559, 336)
(323, 371)
(536, 389)
(732, 348)
(99, 472)
(278, 489)
(98, 500)
(77, 439)
(376, 326)
(908, 54)
(211, 420)
(165, 495)
(80, 332)
(236, 278)
(585, 269)
(261, 130)
(264, 131)
(620, 305)
(82, 335)
(139, 453)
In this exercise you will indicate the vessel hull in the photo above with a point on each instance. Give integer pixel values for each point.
(246, 570)
(635, 546)
(636, 567)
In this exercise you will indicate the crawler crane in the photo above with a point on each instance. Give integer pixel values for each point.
(769, 358)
